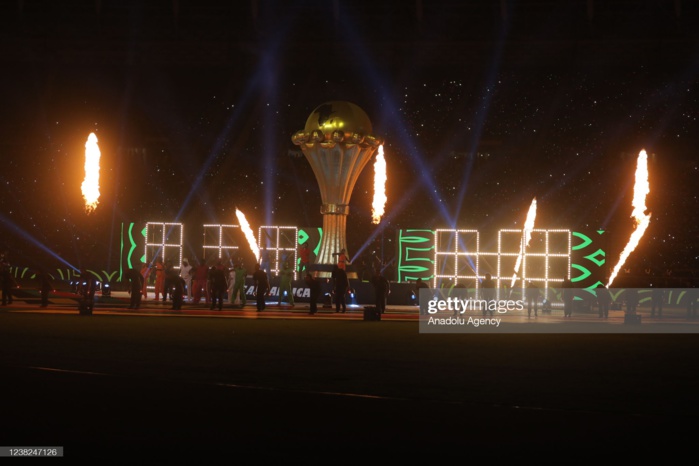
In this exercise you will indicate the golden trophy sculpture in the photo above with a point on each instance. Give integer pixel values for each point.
(338, 143)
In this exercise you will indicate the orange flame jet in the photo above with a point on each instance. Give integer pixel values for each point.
(526, 238)
(90, 186)
(379, 187)
(247, 231)
(641, 219)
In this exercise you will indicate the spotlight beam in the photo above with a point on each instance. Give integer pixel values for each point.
(262, 76)
(268, 146)
(481, 116)
(393, 116)
(239, 113)
(9, 224)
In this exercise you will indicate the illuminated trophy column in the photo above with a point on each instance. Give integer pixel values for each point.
(338, 143)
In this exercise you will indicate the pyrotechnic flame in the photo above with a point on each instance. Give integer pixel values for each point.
(641, 219)
(247, 231)
(379, 187)
(90, 186)
(526, 238)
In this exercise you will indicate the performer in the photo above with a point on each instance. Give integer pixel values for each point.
(217, 281)
(420, 285)
(532, 295)
(45, 287)
(285, 276)
(200, 282)
(342, 259)
(304, 257)
(314, 286)
(261, 286)
(186, 273)
(171, 277)
(230, 280)
(239, 286)
(159, 279)
(381, 289)
(137, 284)
(178, 293)
(340, 287)
(86, 290)
(265, 262)
(145, 273)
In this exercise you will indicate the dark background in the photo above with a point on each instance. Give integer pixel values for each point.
(482, 105)
(116, 388)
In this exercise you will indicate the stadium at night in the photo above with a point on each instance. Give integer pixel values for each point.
(197, 111)
(522, 175)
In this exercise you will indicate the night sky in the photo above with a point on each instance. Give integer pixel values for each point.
(481, 110)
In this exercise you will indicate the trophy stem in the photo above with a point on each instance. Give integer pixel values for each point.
(334, 239)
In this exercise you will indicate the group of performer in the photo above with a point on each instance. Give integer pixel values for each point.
(212, 284)
(194, 283)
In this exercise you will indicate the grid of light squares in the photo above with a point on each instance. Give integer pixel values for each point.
(458, 257)
(164, 240)
(455, 250)
(282, 243)
(222, 240)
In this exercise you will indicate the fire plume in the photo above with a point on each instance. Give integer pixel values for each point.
(90, 186)
(641, 219)
(526, 238)
(247, 231)
(379, 187)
